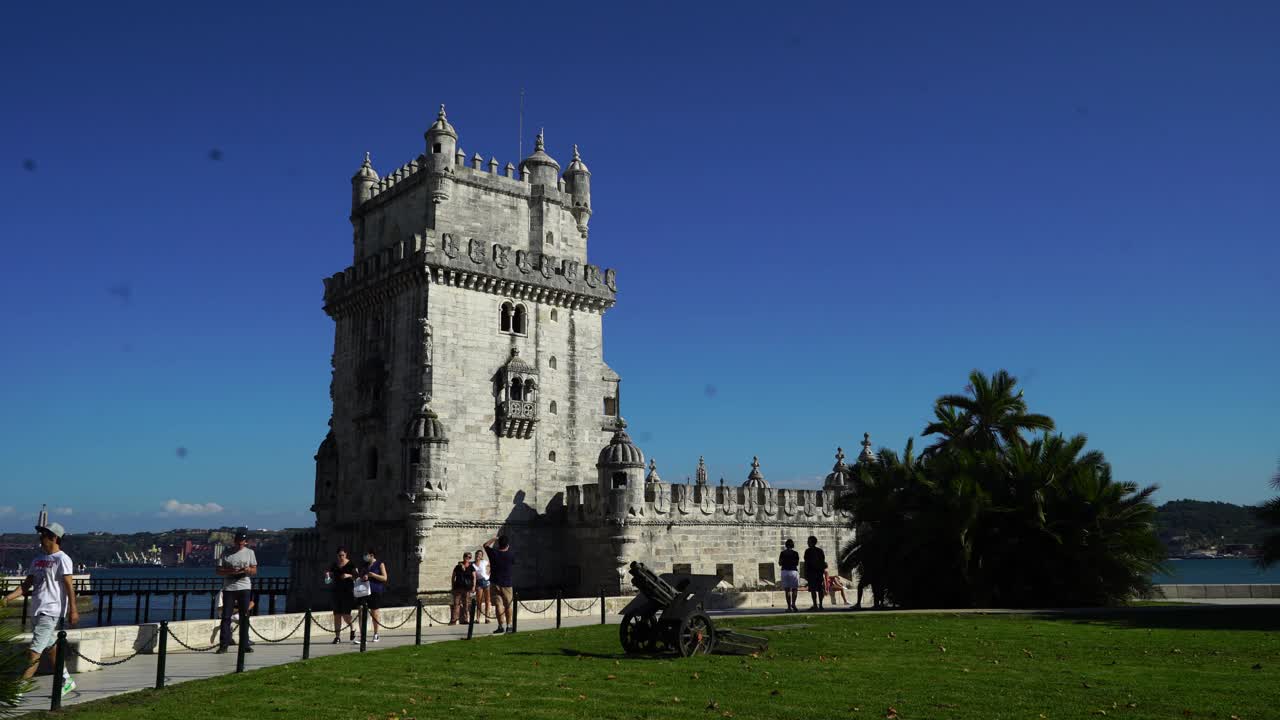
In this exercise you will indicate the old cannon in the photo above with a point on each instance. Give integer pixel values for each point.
(668, 616)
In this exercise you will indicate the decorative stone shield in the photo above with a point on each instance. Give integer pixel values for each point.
(501, 255)
(593, 276)
(449, 245)
(571, 270)
(545, 265)
(522, 261)
(611, 279)
(475, 249)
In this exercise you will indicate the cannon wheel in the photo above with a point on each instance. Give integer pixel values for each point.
(637, 633)
(697, 635)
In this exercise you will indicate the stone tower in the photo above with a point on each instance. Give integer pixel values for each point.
(469, 387)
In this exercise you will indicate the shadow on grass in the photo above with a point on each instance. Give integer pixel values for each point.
(571, 652)
(1263, 618)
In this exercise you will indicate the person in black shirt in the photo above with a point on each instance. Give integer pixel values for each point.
(463, 584)
(815, 562)
(342, 578)
(789, 561)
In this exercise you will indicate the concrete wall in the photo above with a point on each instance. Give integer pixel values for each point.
(1230, 592)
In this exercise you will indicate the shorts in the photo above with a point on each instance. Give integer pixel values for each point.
(44, 633)
(505, 594)
(482, 583)
(373, 600)
(790, 579)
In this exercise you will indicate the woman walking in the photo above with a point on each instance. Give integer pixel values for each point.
(482, 583)
(341, 577)
(374, 573)
(789, 560)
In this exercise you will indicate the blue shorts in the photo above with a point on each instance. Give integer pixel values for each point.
(44, 633)
(482, 583)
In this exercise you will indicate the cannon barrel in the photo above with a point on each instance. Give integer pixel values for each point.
(652, 586)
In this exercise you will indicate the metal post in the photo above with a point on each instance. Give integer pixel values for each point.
(99, 599)
(146, 614)
(59, 670)
(306, 635)
(417, 629)
(558, 593)
(111, 606)
(213, 603)
(137, 608)
(471, 623)
(164, 645)
(271, 604)
(602, 620)
(243, 645)
(184, 605)
(515, 609)
(364, 622)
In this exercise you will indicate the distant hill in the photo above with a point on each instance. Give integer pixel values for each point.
(271, 546)
(1201, 524)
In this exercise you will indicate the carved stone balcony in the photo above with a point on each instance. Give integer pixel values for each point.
(517, 418)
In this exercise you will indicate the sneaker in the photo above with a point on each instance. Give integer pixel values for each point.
(221, 649)
(248, 649)
(337, 641)
(500, 630)
(510, 630)
(68, 685)
(376, 638)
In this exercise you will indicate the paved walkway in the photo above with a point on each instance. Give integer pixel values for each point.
(140, 672)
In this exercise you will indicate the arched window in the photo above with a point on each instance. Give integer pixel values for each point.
(371, 464)
(504, 323)
(551, 456)
(553, 407)
(552, 362)
(520, 323)
(517, 389)
(619, 480)
(555, 316)
(530, 391)
(551, 239)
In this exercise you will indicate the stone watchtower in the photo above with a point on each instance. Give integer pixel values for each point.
(469, 387)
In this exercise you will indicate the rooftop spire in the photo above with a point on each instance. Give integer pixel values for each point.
(866, 455)
(839, 466)
(538, 141)
(702, 471)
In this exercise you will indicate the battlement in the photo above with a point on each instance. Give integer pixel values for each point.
(683, 503)
(480, 265)
(475, 172)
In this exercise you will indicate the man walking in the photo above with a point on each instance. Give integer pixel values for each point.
(236, 566)
(53, 593)
(815, 563)
(501, 562)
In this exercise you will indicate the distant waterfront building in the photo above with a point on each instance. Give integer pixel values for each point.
(471, 397)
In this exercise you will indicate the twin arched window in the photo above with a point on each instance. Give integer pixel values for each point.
(525, 390)
(513, 318)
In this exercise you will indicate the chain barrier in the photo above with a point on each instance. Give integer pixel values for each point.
(176, 639)
(580, 609)
(426, 610)
(108, 663)
(265, 639)
(548, 606)
(409, 616)
(316, 620)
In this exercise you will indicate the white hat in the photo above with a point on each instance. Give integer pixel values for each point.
(53, 527)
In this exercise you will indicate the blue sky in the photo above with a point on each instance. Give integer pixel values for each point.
(823, 216)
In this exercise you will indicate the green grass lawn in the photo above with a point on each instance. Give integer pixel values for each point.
(1168, 662)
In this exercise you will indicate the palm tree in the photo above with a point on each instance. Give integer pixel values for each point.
(1269, 513)
(989, 417)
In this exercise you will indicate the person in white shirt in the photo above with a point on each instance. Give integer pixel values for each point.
(483, 603)
(53, 597)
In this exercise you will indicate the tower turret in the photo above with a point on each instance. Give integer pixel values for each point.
(578, 183)
(362, 184)
(442, 143)
(541, 167)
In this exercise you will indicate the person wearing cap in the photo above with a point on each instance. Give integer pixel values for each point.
(236, 566)
(53, 593)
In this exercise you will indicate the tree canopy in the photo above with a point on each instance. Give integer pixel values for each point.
(989, 517)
